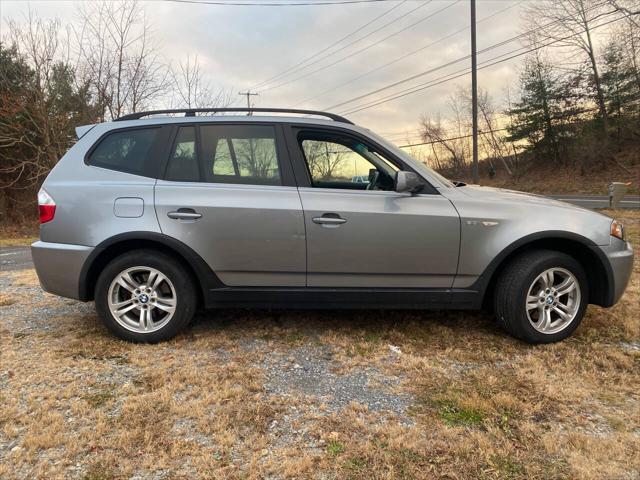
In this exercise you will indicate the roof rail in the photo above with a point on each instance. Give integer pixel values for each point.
(191, 112)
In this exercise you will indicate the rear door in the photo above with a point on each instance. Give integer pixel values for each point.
(228, 193)
(360, 232)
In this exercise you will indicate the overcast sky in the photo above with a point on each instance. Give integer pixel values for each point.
(239, 47)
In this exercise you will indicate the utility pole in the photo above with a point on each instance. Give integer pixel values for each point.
(474, 93)
(248, 94)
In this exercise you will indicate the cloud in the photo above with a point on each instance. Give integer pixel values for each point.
(242, 46)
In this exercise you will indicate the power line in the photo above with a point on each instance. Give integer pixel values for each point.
(382, 27)
(362, 27)
(493, 130)
(440, 67)
(445, 78)
(439, 81)
(284, 3)
(463, 72)
(274, 4)
(369, 72)
(357, 52)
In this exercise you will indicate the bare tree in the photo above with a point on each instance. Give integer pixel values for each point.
(433, 131)
(324, 163)
(630, 8)
(492, 145)
(117, 56)
(38, 42)
(257, 156)
(192, 91)
(40, 103)
(570, 23)
(627, 36)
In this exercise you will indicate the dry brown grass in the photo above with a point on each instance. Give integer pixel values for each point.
(17, 241)
(19, 234)
(548, 179)
(551, 180)
(75, 402)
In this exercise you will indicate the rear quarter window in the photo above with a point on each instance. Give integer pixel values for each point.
(125, 150)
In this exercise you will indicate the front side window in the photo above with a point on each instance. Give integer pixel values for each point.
(240, 154)
(343, 162)
(125, 151)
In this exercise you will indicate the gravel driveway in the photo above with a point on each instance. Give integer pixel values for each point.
(15, 258)
(313, 395)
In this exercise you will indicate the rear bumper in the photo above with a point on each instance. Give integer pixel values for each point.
(58, 266)
(620, 257)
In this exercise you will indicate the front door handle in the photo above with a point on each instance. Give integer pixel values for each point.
(184, 214)
(329, 219)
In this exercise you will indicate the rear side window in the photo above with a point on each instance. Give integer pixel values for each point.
(183, 163)
(244, 154)
(125, 151)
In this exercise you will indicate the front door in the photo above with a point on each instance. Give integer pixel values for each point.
(363, 234)
(228, 194)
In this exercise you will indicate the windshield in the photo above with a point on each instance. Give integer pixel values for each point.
(420, 167)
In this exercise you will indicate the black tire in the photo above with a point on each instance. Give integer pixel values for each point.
(511, 293)
(185, 290)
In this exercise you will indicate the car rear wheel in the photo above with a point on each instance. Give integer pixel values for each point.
(541, 296)
(145, 296)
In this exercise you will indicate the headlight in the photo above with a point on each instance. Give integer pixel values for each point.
(617, 230)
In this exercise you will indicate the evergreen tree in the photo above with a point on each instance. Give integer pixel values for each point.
(542, 110)
(618, 79)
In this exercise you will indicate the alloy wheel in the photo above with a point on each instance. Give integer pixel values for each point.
(142, 299)
(553, 300)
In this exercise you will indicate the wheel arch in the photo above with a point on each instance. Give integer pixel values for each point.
(109, 249)
(584, 250)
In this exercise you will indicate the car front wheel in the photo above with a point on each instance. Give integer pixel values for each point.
(541, 296)
(145, 296)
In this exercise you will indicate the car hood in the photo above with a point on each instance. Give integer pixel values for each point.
(513, 196)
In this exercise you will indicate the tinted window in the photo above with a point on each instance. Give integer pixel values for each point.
(223, 162)
(125, 151)
(240, 154)
(183, 163)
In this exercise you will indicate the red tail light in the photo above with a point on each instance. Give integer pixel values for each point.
(46, 206)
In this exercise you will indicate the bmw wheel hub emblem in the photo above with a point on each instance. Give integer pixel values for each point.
(144, 298)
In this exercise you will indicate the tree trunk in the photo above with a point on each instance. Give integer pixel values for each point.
(596, 76)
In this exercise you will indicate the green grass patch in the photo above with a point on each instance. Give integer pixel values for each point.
(454, 414)
(335, 448)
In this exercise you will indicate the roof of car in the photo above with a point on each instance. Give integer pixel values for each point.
(192, 112)
(165, 119)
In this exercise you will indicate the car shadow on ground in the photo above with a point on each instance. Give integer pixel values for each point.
(375, 325)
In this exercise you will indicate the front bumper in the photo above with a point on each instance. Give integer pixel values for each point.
(620, 257)
(58, 266)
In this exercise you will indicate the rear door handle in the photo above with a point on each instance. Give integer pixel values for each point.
(329, 219)
(184, 214)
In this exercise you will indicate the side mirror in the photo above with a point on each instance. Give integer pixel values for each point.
(408, 182)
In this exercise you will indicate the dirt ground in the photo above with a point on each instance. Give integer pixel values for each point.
(324, 395)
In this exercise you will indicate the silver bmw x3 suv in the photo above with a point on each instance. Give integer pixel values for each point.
(154, 216)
